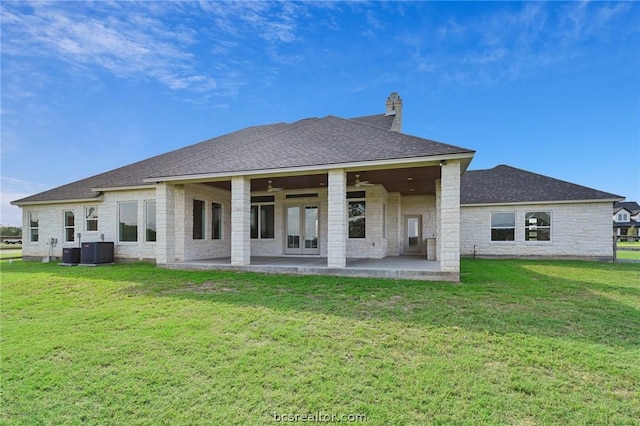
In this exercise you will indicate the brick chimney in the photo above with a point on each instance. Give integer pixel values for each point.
(394, 107)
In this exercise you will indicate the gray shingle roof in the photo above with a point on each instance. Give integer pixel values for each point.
(505, 184)
(631, 206)
(310, 142)
(380, 120)
(316, 141)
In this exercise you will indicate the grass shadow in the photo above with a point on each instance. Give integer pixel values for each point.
(585, 301)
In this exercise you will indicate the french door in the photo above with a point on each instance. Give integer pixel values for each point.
(302, 230)
(413, 233)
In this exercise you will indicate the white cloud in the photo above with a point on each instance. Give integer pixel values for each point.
(126, 43)
(183, 46)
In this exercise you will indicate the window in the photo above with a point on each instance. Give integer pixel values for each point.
(537, 226)
(128, 222)
(357, 221)
(150, 221)
(69, 226)
(503, 226)
(623, 217)
(262, 217)
(198, 219)
(33, 227)
(263, 221)
(216, 221)
(91, 218)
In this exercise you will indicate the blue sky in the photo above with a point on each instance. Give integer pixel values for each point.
(553, 87)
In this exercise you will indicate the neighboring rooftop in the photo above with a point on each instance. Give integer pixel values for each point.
(506, 184)
(630, 206)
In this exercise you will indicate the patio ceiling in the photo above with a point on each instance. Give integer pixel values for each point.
(406, 181)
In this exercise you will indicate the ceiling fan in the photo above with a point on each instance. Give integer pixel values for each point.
(360, 183)
(270, 187)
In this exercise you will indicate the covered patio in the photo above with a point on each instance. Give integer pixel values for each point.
(409, 267)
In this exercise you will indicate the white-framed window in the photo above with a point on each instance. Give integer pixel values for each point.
(623, 217)
(537, 226)
(216, 221)
(198, 219)
(128, 221)
(150, 221)
(91, 218)
(34, 227)
(263, 217)
(69, 226)
(503, 226)
(357, 209)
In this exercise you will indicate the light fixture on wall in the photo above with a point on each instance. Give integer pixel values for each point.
(443, 163)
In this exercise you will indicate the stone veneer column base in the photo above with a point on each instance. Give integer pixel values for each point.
(337, 219)
(240, 221)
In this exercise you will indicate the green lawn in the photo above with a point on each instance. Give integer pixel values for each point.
(10, 251)
(518, 342)
(628, 254)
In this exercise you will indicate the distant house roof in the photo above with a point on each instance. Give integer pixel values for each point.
(506, 184)
(328, 141)
(630, 206)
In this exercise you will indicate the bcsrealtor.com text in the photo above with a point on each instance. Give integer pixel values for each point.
(318, 417)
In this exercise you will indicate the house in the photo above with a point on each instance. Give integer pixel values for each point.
(626, 218)
(508, 212)
(320, 193)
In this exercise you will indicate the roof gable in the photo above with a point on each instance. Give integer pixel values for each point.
(328, 141)
(505, 184)
(133, 174)
(631, 206)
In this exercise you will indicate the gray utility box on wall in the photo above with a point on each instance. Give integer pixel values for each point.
(98, 252)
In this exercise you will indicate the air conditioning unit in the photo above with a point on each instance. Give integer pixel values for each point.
(97, 252)
(71, 255)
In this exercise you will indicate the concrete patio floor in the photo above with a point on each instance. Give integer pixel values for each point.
(396, 267)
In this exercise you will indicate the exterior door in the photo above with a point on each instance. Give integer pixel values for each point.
(413, 234)
(302, 230)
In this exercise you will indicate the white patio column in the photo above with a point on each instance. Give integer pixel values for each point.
(240, 221)
(450, 217)
(438, 216)
(165, 223)
(337, 219)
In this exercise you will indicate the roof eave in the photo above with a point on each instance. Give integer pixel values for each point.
(431, 160)
(20, 203)
(123, 188)
(521, 203)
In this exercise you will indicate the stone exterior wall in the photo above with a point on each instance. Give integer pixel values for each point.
(207, 247)
(580, 230)
(394, 223)
(51, 225)
(449, 223)
(336, 215)
(374, 245)
(425, 206)
(385, 232)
